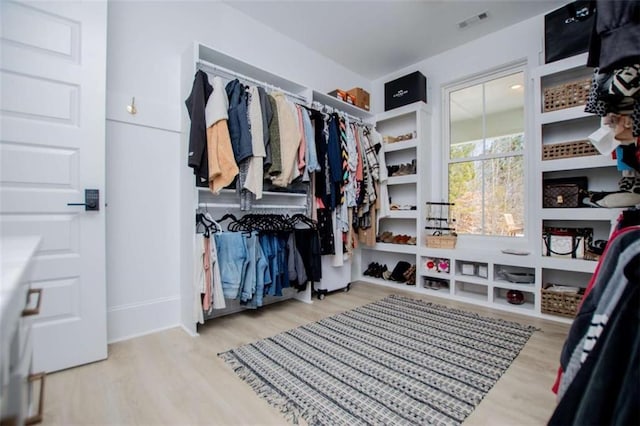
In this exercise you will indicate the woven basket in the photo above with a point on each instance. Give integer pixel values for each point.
(441, 241)
(568, 150)
(560, 303)
(567, 95)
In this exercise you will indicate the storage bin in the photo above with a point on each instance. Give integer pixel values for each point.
(564, 35)
(441, 241)
(405, 90)
(568, 150)
(559, 302)
(567, 95)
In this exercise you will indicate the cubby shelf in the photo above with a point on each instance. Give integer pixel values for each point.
(399, 146)
(553, 127)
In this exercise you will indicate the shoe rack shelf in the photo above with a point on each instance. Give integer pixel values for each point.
(405, 131)
(563, 126)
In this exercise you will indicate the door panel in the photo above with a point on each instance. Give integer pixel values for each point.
(51, 148)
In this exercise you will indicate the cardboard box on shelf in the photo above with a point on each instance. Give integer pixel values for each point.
(361, 97)
(340, 94)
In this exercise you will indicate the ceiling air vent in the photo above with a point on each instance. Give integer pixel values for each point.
(475, 18)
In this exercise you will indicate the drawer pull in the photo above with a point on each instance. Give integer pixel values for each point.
(37, 418)
(33, 311)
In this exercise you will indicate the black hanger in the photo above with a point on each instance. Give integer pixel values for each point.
(300, 218)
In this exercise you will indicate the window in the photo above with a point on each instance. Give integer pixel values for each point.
(486, 140)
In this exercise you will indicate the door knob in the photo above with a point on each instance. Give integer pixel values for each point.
(91, 200)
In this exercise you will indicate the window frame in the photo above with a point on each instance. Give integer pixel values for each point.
(482, 78)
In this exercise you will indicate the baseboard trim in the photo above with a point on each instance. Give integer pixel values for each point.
(132, 320)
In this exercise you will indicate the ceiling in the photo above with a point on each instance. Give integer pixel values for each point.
(375, 38)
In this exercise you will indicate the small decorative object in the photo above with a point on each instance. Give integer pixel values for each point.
(515, 297)
(468, 269)
(483, 271)
(430, 264)
(443, 265)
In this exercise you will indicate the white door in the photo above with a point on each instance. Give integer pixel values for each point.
(52, 133)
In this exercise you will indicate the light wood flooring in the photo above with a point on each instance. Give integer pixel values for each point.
(170, 378)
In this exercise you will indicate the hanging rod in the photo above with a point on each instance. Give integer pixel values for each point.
(217, 69)
(253, 207)
(320, 106)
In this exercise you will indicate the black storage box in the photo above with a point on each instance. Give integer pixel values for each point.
(405, 90)
(567, 30)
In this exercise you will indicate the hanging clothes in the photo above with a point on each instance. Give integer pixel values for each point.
(232, 254)
(289, 139)
(238, 121)
(267, 117)
(195, 103)
(222, 165)
(274, 139)
(602, 350)
(614, 52)
(255, 171)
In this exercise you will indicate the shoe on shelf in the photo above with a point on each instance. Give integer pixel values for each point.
(369, 270)
(385, 234)
(389, 238)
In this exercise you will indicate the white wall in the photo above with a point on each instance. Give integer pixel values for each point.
(145, 44)
(519, 42)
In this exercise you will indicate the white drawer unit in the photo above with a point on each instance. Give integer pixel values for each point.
(21, 391)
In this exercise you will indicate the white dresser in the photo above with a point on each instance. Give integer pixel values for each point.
(21, 391)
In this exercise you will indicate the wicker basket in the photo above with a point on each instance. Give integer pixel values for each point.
(441, 241)
(568, 150)
(560, 303)
(567, 95)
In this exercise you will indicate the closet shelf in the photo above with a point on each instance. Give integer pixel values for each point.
(399, 146)
(505, 305)
(472, 279)
(209, 56)
(586, 213)
(267, 193)
(401, 214)
(399, 180)
(340, 105)
(564, 115)
(562, 65)
(392, 248)
(576, 163)
(530, 288)
(563, 264)
(403, 110)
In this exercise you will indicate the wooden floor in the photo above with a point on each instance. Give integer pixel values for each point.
(174, 379)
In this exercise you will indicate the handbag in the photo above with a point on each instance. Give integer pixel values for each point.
(567, 30)
(566, 242)
(564, 193)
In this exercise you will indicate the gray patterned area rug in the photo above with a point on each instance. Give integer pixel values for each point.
(394, 361)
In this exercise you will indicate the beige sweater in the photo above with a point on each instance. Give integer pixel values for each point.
(289, 139)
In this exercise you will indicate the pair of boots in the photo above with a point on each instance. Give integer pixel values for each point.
(410, 275)
(375, 270)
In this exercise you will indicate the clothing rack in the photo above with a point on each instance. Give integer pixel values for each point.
(218, 70)
(254, 207)
(322, 107)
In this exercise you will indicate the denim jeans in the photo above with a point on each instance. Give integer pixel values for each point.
(259, 270)
(232, 257)
(271, 273)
